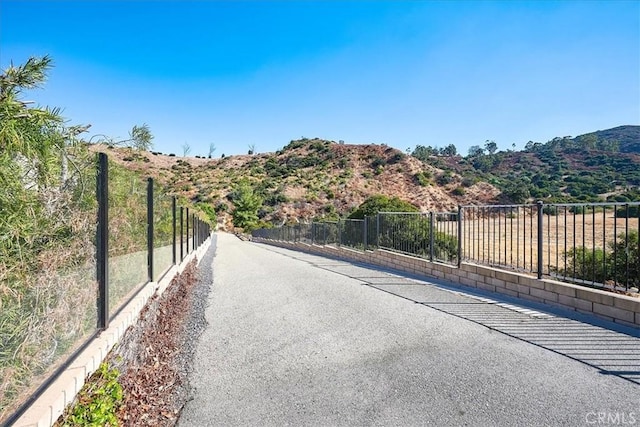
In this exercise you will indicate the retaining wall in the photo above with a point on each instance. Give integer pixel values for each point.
(610, 306)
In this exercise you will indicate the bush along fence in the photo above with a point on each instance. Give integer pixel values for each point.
(127, 234)
(593, 244)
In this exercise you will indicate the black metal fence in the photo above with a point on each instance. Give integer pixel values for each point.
(140, 233)
(154, 233)
(593, 244)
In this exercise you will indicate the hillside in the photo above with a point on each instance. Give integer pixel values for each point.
(309, 178)
(318, 179)
(595, 167)
(627, 138)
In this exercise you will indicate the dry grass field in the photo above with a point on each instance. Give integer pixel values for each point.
(510, 238)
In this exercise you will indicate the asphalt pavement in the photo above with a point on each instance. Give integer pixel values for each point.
(297, 339)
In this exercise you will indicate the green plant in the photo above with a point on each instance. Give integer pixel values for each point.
(247, 204)
(98, 401)
(445, 178)
(377, 161)
(412, 234)
(395, 158)
(381, 203)
(624, 257)
(47, 232)
(458, 191)
(468, 181)
(423, 178)
(209, 212)
(620, 263)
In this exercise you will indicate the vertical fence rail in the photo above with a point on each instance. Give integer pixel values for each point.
(150, 229)
(595, 244)
(460, 241)
(187, 231)
(540, 239)
(501, 236)
(102, 240)
(181, 233)
(193, 238)
(174, 229)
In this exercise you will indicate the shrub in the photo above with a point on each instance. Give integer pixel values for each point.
(98, 401)
(396, 158)
(247, 204)
(380, 203)
(628, 212)
(620, 263)
(377, 161)
(468, 181)
(423, 178)
(445, 178)
(458, 191)
(412, 234)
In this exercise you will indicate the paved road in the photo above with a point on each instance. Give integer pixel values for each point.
(295, 339)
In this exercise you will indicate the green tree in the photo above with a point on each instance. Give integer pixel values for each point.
(141, 138)
(31, 139)
(247, 204)
(424, 152)
(490, 146)
(47, 214)
(475, 151)
(449, 151)
(381, 203)
(517, 192)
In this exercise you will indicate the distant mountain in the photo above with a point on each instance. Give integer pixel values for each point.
(628, 137)
(598, 166)
(308, 179)
(315, 179)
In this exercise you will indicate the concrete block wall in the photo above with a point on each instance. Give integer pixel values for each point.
(610, 306)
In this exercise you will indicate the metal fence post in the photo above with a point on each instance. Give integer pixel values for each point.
(187, 231)
(431, 237)
(150, 229)
(378, 230)
(539, 205)
(459, 236)
(364, 234)
(196, 223)
(174, 220)
(102, 240)
(181, 233)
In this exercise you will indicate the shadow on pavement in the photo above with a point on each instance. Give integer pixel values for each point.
(610, 348)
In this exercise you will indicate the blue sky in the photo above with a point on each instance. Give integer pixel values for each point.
(240, 73)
